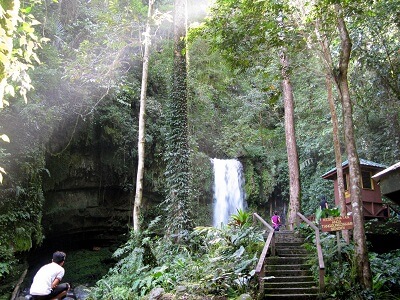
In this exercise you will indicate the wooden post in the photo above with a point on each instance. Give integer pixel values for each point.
(339, 247)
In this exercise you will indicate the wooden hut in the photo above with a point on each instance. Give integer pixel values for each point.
(389, 182)
(370, 193)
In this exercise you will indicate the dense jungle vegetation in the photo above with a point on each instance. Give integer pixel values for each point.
(74, 83)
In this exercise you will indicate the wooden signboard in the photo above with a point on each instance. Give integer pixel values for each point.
(337, 223)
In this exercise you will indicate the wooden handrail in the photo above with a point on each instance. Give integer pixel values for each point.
(319, 252)
(270, 241)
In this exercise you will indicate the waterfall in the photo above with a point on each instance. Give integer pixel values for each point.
(228, 192)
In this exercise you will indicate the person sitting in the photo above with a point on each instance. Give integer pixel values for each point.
(276, 221)
(46, 283)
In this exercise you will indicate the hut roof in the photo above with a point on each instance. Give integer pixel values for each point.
(385, 172)
(363, 162)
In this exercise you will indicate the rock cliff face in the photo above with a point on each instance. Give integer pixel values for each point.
(84, 213)
(89, 189)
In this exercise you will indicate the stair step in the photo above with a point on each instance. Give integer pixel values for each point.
(290, 291)
(291, 248)
(288, 274)
(285, 273)
(284, 252)
(286, 284)
(270, 267)
(272, 279)
(290, 244)
(295, 249)
(290, 296)
(294, 255)
(278, 260)
(287, 235)
(286, 239)
(287, 232)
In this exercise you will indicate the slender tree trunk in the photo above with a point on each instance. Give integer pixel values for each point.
(142, 120)
(396, 133)
(338, 154)
(361, 254)
(293, 159)
(327, 59)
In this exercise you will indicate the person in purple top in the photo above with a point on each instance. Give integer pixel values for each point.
(276, 221)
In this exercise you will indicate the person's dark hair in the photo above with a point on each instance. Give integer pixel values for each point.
(58, 257)
(323, 198)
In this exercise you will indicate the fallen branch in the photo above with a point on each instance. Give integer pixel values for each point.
(16, 289)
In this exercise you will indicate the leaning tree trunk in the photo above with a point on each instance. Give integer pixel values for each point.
(142, 120)
(293, 159)
(361, 254)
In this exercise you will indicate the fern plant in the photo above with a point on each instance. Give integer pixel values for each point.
(241, 218)
(213, 261)
(340, 274)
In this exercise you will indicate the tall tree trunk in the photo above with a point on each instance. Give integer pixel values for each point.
(293, 159)
(338, 154)
(142, 121)
(396, 133)
(178, 171)
(327, 59)
(361, 254)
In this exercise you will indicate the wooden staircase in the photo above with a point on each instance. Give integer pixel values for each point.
(288, 275)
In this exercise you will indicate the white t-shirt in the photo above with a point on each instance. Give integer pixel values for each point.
(44, 278)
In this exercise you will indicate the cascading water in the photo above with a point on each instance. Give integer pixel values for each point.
(228, 191)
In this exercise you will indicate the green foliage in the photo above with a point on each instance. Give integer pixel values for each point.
(20, 223)
(375, 68)
(177, 155)
(248, 33)
(18, 46)
(62, 120)
(241, 218)
(326, 213)
(87, 266)
(340, 277)
(389, 227)
(106, 39)
(202, 189)
(147, 261)
(386, 270)
(20, 212)
(237, 115)
(122, 281)
(7, 257)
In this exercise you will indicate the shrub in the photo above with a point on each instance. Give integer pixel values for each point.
(340, 277)
(212, 261)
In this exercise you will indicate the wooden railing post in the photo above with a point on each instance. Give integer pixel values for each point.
(319, 253)
(260, 272)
